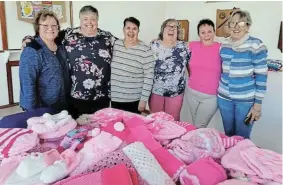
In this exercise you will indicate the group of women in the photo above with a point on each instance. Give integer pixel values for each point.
(230, 76)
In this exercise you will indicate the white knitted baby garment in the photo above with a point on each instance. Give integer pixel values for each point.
(146, 165)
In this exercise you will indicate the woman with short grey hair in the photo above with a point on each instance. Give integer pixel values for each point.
(171, 59)
(243, 81)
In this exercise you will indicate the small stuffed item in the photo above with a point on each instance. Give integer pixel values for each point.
(61, 168)
(36, 162)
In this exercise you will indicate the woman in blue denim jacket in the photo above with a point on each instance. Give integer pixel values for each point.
(43, 70)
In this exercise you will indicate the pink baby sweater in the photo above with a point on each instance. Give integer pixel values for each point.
(205, 67)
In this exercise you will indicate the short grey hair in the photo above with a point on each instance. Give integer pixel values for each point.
(89, 8)
(160, 35)
(244, 15)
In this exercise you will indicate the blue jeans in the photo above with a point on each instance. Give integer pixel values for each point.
(233, 114)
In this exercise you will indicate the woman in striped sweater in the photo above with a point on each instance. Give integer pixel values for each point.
(131, 70)
(243, 80)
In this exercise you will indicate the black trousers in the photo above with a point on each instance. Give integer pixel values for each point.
(126, 106)
(77, 107)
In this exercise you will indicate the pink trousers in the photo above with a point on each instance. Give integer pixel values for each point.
(170, 105)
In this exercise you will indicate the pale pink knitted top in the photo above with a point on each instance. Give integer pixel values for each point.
(205, 67)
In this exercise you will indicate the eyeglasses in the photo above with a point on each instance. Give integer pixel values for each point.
(234, 24)
(53, 27)
(171, 27)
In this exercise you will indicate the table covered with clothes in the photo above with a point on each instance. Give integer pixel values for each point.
(114, 147)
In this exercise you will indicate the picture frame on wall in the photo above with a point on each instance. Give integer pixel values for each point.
(222, 17)
(27, 10)
(184, 30)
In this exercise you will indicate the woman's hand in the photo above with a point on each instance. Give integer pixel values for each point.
(255, 112)
(142, 105)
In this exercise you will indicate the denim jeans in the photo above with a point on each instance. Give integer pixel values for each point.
(233, 114)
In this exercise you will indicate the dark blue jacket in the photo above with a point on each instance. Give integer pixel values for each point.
(44, 77)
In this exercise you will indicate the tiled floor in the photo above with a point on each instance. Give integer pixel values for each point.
(9, 111)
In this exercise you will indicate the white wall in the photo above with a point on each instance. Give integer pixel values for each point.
(4, 100)
(112, 15)
(266, 17)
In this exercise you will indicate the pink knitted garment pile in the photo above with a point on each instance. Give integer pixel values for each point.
(171, 165)
(196, 144)
(163, 130)
(256, 164)
(16, 141)
(111, 160)
(95, 149)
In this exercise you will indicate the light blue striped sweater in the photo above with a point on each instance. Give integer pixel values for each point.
(245, 70)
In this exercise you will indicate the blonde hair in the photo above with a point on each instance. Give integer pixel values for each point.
(160, 35)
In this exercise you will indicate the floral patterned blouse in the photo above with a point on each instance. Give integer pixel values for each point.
(170, 67)
(89, 60)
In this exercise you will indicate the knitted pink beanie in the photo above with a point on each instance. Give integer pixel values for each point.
(234, 182)
(117, 128)
(165, 130)
(205, 171)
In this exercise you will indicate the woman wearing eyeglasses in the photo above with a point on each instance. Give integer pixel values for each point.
(243, 80)
(171, 58)
(43, 71)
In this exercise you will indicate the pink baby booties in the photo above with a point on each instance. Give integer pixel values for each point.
(204, 171)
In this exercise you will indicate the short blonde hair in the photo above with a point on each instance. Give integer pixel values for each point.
(244, 15)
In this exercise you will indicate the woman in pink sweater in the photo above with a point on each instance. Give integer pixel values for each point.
(205, 71)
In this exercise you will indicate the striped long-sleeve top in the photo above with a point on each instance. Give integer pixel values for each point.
(245, 70)
(131, 72)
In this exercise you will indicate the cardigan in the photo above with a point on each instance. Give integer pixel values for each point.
(43, 78)
(245, 70)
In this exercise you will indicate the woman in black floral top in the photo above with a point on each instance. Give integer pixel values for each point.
(171, 60)
(89, 54)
